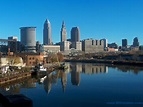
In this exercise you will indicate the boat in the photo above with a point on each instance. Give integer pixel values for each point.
(40, 68)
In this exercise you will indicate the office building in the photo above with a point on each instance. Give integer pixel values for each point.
(50, 48)
(47, 33)
(92, 46)
(65, 46)
(63, 33)
(77, 46)
(135, 42)
(12, 43)
(105, 43)
(28, 38)
(124, 43)
(75, 34)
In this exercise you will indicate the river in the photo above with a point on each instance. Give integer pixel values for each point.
(85, 85)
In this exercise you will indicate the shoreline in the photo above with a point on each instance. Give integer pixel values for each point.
(115, 62)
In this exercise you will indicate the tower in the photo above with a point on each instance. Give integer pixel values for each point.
(63, 32)
(135, 42)
(124, 43)
(28, 38)
(47, 40)
(75, 34)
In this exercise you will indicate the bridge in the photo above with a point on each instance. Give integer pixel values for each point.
(5, 41)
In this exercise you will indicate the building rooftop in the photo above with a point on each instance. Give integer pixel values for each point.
(27, 27)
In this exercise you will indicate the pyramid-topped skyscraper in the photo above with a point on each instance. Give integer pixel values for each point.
(47, 33)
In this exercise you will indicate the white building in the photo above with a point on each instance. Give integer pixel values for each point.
(65, 46)
(77, 46)
(50, 48)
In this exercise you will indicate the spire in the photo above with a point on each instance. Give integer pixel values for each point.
(63, 24)
(47, 21)
(47, 24)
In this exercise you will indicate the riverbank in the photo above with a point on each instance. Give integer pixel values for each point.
(14, 77)
(116, 62)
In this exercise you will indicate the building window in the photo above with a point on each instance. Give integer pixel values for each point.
(33, 58)
(30, 58)
(96, 42)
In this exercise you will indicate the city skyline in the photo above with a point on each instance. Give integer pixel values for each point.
(97, 19)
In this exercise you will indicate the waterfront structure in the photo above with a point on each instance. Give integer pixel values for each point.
(92, 46)
(31, 59)
(135, 42)
(63, 32)
(50, 48)
(28, 38)
(47, 33)
(124, 43)
(75, 34)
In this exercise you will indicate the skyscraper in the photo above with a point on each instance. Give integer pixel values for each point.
(75, 34)
(63, 32)
(124, 43)
(47, 40)
(135, 42)
(28, 38)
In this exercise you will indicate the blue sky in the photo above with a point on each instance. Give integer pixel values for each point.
(97, 19)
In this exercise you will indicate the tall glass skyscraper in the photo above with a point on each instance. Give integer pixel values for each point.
(75, 34)
(47, 38)
(135, 42)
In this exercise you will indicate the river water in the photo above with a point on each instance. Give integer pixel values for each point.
(85, 85)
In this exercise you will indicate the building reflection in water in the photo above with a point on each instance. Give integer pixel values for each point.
(94, 69)
(53, 78)
(86, 68)
(75, 68)
(64, 80)
(75, 74)
(48, 83)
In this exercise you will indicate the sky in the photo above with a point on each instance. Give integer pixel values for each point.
(111, 19)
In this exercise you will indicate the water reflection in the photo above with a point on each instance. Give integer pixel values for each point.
(127, 68)
(15, 87)
(75, 70)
